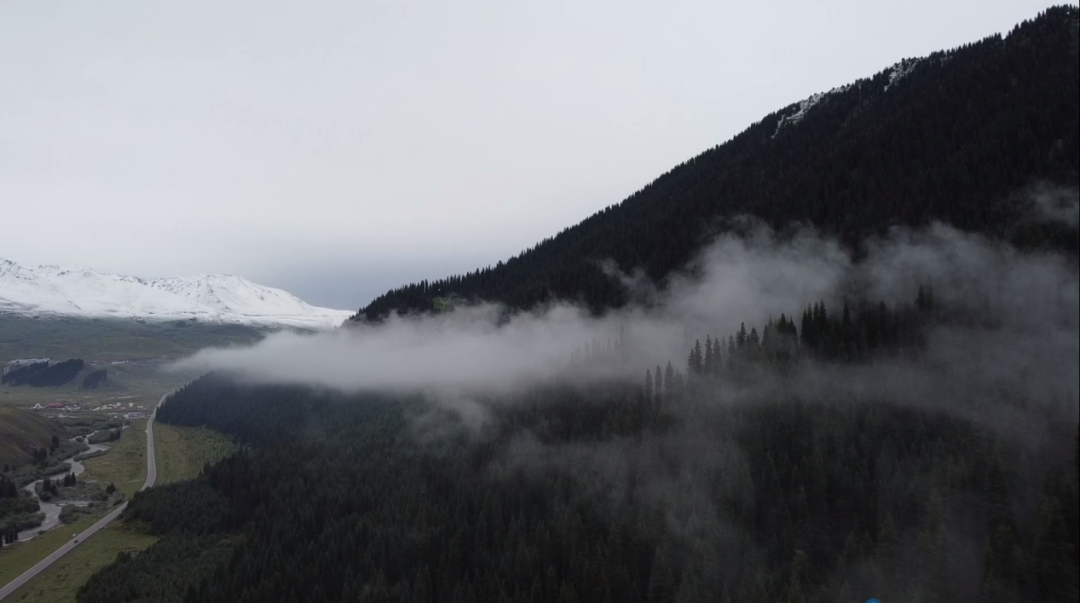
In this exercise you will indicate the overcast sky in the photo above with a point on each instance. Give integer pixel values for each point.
(337, 149)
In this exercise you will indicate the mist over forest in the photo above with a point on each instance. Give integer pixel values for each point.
(1004, 321)
(848, 419)
(833, 359)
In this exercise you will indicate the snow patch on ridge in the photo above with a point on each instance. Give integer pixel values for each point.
(800, 113)
(900, 71)
(805, 106)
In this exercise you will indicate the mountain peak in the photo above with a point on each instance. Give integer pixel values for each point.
(51, 290)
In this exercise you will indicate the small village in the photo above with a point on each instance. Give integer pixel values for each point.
(128, 411)
(116, 406)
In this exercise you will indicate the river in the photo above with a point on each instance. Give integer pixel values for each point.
(51, 509)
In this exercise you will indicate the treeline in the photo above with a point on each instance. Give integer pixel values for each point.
(193, 561)
(957, 140)
(8, 489)
(873, 330)
(850, 336)
(50, 488)
(18, 510)
(111, 435)
(45, 375)
(19, 375)
(9, 536)
(58, 374)
(348, 498)
(94, 379)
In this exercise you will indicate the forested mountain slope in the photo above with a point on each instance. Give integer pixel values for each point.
(603, 494)
(960, 136)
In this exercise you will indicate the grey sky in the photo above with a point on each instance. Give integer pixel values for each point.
(340, 148)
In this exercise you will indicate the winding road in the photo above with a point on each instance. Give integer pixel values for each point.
(151, 476)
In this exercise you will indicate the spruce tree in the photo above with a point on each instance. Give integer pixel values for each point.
(661, 578)
(807, 329)
(718, 363)
(707, 364)
(658, 389)
(669, 380)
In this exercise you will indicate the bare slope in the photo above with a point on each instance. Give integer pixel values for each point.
(22, 432)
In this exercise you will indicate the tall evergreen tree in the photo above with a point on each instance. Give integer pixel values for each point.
(707, 363)
(658, 399)
(718, 358)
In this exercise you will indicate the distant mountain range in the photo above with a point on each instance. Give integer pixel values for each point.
(965, 136)
(45, 291)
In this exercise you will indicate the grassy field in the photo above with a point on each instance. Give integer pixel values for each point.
(61, 582)
(21, 430)
(181, 454)
(135, 384)
(108, 339)
(16, 559)
(125, 465)
(182, 451)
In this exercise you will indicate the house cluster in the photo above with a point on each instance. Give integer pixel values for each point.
(135, 361)
(54, 406)
(115, 406)
(127, 408)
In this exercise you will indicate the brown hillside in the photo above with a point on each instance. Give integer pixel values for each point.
(23, 431)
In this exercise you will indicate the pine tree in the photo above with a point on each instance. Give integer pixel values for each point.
(669, 381)
(718, 358)
(798, 583)
(696, 361)
(658, 397)
(707, 364)
(648, 387)
(661, 578)
(1055, 571)
(807, 329)
(699, 358)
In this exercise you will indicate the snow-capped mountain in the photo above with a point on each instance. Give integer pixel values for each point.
(84, 293)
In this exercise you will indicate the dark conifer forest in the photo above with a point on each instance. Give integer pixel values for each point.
(42, 374)
(848, 448)
(722, 478)
(96, 378)
(21, 375)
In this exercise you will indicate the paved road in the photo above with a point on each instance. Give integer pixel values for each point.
(151, 475)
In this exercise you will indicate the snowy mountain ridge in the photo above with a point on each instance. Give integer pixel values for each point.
(85, 293)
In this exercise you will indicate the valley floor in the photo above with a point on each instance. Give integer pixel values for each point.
(182, 452)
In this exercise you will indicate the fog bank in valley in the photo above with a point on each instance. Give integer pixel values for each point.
(1015, 331)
